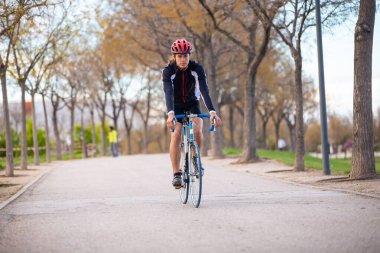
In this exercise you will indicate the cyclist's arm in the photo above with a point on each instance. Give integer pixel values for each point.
(204, 89)
(168, 89)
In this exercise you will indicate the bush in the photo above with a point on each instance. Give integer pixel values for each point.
(29, 137)
(15, 140)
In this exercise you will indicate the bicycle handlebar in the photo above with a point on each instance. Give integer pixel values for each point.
(182, 116)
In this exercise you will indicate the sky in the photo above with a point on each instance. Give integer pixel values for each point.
(338, 54)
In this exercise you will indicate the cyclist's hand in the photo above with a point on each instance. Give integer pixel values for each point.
(218, 122)
(169, 121)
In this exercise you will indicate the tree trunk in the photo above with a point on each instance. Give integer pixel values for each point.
(216, 137)
(206, 141)
(363, 160)
(128, 130)
(93, 132)
(145, 138)
(84, 143)
(300, 146)
(232, 126)
(72, 119)
(291, 128)
(249, 124)
(9, 145)
(264, 126)
(129, 142)
(56, 131)
(47, 134)
(24, 152)
(35, 135)
(115, 123)
(103, 134)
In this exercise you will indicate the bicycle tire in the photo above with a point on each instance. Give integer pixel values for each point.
(184, 190)
(195, 174)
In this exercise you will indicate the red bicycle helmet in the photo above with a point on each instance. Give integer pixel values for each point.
(181, 46)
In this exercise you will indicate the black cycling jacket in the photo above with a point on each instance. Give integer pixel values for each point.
(184, 87)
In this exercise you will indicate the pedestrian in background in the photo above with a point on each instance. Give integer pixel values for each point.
(112, 138)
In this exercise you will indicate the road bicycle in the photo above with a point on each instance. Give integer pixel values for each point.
(190, 161)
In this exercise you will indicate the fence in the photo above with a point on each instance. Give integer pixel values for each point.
(90, 148)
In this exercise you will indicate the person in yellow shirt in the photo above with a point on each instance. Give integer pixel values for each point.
(112, 138)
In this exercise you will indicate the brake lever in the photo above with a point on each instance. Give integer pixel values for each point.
(213, 128)
(174, 123)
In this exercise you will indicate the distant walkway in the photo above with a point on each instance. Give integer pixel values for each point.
(127, 204)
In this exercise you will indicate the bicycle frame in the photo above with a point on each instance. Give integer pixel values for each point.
(187, 127)
(187, 142)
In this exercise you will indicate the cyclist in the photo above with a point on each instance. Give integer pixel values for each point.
(184, 82)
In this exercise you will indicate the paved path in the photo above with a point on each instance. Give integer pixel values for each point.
(128, 205)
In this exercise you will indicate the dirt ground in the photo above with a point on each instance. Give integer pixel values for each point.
(11, 185)
(267, 168)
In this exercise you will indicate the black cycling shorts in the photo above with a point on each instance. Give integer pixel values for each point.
(192, 107)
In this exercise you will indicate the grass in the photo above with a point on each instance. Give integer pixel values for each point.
(17, 160)
(337, 166)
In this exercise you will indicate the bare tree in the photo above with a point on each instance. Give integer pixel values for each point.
(70, 99)
(81, 105)
(14, 11)
(29, 45)
(47, 129)
(363, 160)
(145, 107)
(9, 145)
(258, 33)
(291, 28)
(101, 98)
(91, 107)
(117, 95)
(128, 121)
(56, 105)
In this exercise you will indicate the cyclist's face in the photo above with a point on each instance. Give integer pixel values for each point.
(182, 60)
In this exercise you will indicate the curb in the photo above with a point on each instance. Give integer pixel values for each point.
(23, 189)
(320, 187)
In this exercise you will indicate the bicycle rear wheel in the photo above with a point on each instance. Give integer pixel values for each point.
(184, 166)
(195, 173)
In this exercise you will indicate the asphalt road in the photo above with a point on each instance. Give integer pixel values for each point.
(127, 204)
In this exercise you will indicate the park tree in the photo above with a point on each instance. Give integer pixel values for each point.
(313, 137)
(3, 76)
(340, 130)
(11, 15)
(57, 105)
(31, 39)
(70, 93)
(145, 106)
(44, 80)
(128, 120)
(240, 23)
(293, 19)
(100, 90)
(363, 160)
(265, 103)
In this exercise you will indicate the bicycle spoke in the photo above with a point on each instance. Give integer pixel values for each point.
(184, 190)
(195, 175)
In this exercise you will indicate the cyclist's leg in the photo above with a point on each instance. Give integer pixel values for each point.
(197, 127)
(174, 147)
(197, 124)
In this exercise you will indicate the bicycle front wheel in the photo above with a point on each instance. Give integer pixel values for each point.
(195, 173)
(184, 166)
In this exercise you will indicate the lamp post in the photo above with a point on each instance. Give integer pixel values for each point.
(322, 99)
